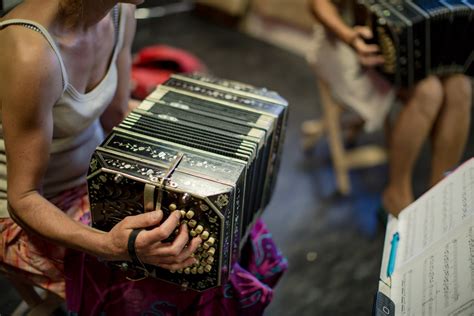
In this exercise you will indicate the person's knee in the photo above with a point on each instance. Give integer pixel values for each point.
(428, 96)
(458, 90)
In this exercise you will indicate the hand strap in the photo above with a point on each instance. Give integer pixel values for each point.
(134, 257)
(131, 246)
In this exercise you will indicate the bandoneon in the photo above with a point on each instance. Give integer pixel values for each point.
(421, 37)
(207, 147)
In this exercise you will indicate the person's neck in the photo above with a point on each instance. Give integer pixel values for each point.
(81, 17)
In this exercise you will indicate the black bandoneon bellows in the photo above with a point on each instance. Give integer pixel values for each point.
(421, 37)
(207, 147)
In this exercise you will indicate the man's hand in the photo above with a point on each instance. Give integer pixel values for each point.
(149, 244)
(368, 54)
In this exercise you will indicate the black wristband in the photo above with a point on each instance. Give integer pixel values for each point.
(131, 246)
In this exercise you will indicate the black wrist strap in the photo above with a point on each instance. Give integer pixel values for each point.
(131, 246)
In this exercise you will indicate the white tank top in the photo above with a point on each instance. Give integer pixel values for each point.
(77, 130)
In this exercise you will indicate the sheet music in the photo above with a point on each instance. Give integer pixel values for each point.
(434, 271)
(438, 212)
(441, 280)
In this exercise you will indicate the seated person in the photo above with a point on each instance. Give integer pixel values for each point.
(438, 108)
(65, 68)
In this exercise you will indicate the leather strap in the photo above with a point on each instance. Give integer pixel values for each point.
(131, 246)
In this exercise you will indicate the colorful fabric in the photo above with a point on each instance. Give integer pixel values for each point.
(93, 288)
(34, 259)
(100, 290)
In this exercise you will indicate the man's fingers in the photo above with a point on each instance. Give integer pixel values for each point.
(181, 257)
(366, 49)
(169, 252)
(372, 49)
(364, 31)
(371, 61)
(143, 220)
(161, 255)
(175, 254)
(188, 251)
(177, 266)
(165, 229)
(176, 247)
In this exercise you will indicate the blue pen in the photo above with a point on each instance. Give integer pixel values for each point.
(393, 254)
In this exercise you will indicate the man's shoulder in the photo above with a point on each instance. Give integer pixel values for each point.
(28, 65)
(26, 52)
(25, 46)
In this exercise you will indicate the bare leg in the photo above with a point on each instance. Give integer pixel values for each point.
(407, 137)
(451, 130)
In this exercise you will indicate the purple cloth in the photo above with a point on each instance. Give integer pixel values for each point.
(92, 288)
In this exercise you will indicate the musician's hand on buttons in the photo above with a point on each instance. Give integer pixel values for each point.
(168, 255)
(149, 244)
(368, 54)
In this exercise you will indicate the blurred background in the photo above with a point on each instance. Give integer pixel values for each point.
(333, 241)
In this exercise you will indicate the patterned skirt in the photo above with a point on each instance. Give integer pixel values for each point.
(93, 288)
(33, 259)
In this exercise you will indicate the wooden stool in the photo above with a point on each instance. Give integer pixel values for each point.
(39, 304)
(343, 159)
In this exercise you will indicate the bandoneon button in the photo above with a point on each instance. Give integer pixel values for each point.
(211, 251)
(190, 214)
(205, 235)
(199, 229)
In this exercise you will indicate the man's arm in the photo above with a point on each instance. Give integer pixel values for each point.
(328, 15)
(30, 85)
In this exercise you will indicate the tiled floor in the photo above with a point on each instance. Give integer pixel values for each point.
(333, 244)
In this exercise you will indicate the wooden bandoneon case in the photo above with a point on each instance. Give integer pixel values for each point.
(419, 38)
(207, 147)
